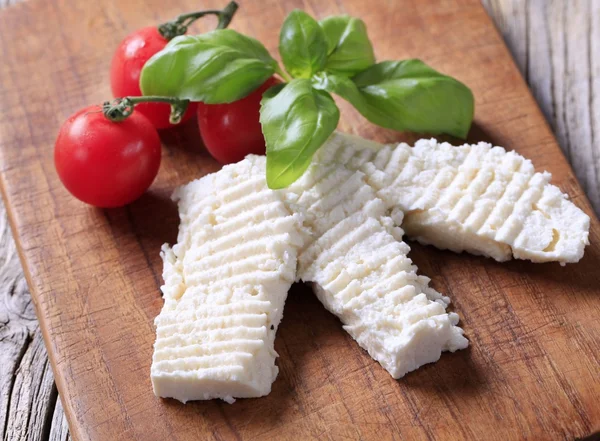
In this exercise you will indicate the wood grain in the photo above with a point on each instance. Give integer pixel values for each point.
(290, 377)
(28, 396)
(556, 44)
(29, 404)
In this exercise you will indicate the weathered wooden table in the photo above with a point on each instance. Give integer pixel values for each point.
(556, 43)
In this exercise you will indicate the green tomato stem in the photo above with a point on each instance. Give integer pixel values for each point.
(279, 71)
(120, 108)
(179, 26)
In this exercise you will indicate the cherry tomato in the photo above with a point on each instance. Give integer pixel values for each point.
(130, 56)
(232, 131)
(105, 163)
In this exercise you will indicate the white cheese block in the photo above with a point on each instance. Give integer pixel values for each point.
(475, 198)
(358, 265)
(226, 281)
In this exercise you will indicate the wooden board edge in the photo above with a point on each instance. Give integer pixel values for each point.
(583, 201)
(62, 391)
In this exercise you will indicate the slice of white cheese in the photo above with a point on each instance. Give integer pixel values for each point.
(226, 281)
(358, 265)
(475, 198)
(227, 277)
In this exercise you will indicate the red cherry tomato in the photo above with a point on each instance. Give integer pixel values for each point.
(130, 56)
(232, 131)
(105, 163)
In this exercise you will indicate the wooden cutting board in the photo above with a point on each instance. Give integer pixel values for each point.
(532, 370)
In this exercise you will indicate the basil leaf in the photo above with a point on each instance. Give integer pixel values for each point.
(296, 120)
(406, 95)
(302, 45)
(349, 49)
(345, 87)
(217, 67)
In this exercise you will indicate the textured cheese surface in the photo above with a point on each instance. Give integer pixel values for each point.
(475, 198)
(241, 245)
(226, 281)
(358, 265)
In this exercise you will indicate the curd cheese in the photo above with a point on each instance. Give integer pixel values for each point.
(475, 198)
(358, 266)
(226, 281)
(340, 228)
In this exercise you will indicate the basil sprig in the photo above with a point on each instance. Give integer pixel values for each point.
(405, 95)
(296, 120)
(349, 48)
(217, 67)
(302, 45)
(333, 55)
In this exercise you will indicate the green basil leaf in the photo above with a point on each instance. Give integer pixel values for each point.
(302, 45)
(217, 67)
(406, 95)
(348, 47)
(345, 87)
(296, 120)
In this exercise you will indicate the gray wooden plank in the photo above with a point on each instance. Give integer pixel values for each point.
(5, 3)
(59, 430)
(27, 391)
(33, 395)
(556, 44)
